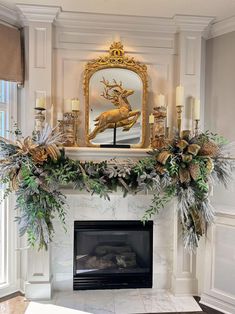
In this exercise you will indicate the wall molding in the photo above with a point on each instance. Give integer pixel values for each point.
(9, 16)
(37, 13)
(222, 27)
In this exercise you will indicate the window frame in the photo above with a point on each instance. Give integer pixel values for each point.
(11, 258)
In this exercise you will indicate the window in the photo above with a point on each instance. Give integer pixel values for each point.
(7, 119)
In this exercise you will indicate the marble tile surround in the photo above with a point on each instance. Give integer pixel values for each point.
(124, 301)
(85, 207)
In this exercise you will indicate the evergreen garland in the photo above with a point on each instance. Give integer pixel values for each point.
(36, 169)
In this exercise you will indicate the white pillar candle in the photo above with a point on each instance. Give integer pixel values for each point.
(196, 109)
(179, 95)
(161, 100)
(40, 103)
(60, 116)
(151, 118)
(75, 105)
(68, 105)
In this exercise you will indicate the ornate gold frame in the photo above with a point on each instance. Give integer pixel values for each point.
(116, 58)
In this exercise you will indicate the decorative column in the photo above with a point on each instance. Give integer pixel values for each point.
(189, 72)
(38, 37)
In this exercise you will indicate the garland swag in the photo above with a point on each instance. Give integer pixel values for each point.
(185, 168)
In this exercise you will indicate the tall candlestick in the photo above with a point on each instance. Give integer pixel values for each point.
(151, 118)
(52, 114)
(161, 100)
(196, 109)
(75, 105)
(179, 95)
(167, 117)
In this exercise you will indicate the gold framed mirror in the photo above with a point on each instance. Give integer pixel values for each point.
(115, 89)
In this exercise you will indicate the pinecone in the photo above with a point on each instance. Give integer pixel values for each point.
(184, 175)
(194, 170)
(198, 221)
(209, 148)
(209, 165)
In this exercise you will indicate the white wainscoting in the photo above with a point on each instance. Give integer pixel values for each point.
(219, 278)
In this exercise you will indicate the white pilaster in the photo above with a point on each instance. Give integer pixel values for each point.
(38, 29)
(38, 22)
(189, 73)
(184, 281)
(189, 62)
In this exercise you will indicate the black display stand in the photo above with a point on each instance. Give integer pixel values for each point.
(114, 145)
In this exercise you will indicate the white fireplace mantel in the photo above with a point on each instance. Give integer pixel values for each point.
(98, 154)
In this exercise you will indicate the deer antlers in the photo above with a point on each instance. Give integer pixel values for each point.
(108, 87)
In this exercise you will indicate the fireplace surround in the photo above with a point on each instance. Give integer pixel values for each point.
(113, 254)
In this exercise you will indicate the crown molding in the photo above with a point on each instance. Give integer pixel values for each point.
(134, 23)
(37, 13)
(9, 16)
(192, 23)
(116, 22)
(222, 27)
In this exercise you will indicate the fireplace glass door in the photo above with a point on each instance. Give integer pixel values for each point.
(112, 254)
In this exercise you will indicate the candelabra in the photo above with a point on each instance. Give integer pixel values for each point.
(69, 128)
(179, 118)
(39, 119)
(196, 128)
(159, 129)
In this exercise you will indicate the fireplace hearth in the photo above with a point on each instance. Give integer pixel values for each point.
(112, 254)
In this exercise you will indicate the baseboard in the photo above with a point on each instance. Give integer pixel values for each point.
(184, 286)
(38, 290)
(217, 304)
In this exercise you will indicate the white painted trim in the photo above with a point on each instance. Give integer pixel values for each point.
(217, 304)
(9, 16)
(222, 27)
(93, 153)
(192, 23)
(153, 25)
(37, 13)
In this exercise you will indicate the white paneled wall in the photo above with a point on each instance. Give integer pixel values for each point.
(219, 281)
(73, 50)
(59, 45)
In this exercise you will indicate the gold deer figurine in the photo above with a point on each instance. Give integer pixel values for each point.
(122, 116)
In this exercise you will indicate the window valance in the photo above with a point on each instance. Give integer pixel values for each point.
(11, 65)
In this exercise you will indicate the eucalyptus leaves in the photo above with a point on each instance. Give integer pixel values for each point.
(184, 168)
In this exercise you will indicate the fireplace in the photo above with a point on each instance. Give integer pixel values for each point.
(112, 254)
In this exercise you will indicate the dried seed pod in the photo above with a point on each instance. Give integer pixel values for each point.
(194, 170)
(184, 175)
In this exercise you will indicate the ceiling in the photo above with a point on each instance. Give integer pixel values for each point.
(220, 9)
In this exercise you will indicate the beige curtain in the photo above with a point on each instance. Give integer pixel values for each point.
(11, 65)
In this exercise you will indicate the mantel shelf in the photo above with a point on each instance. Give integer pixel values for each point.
(98, 154)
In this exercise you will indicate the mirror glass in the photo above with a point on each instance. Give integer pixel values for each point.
(131, 90)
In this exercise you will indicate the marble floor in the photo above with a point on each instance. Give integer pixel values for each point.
(124, 301)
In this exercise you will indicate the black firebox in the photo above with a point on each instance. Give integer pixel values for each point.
(113, 254)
